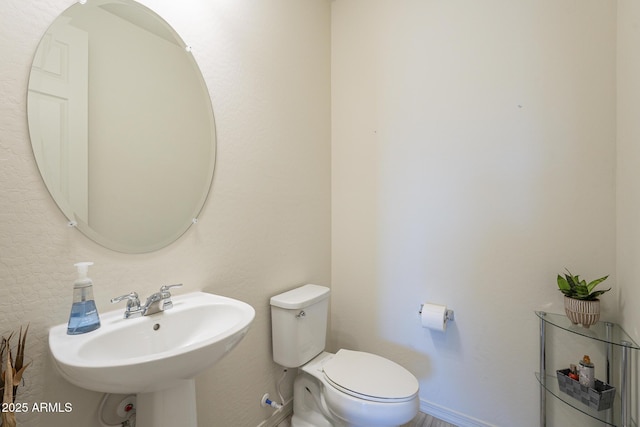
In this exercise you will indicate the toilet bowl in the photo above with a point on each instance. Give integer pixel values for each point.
(354, 389)
(345, 389)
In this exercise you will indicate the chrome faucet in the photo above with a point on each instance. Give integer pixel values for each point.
(133, 304)
(157, 302)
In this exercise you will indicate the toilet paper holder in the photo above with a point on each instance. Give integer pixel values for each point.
(449, 316)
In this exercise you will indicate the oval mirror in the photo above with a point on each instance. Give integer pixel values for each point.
(121, 125)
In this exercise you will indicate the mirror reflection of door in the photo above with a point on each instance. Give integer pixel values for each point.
(121, 124)
(58, 120)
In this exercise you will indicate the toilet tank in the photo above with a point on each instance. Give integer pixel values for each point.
(299, 324)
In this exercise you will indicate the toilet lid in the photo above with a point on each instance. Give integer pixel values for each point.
(370, 376)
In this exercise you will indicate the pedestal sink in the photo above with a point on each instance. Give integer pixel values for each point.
(155, 356)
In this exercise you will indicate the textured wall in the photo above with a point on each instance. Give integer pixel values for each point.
(264, 229)
(473, 153)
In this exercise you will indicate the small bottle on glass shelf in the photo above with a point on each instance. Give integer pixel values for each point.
(587, 372)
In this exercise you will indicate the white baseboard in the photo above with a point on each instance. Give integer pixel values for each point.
(279, 415)
(450, 416)
(440, 412)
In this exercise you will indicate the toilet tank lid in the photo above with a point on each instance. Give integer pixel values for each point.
(301, 297)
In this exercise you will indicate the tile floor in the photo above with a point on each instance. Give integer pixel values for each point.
(421, 420)
(424, 420)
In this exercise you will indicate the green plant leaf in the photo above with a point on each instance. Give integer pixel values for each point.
(572, 280)
(596, 282)
(574, 287)
(563, 284)
(596, 294)
(582, 291)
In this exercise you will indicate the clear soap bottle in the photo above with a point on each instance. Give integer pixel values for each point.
(84, 314)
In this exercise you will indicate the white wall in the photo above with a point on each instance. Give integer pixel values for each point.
(628, 177)
(264, 229)
(473, 159)
(628, 173)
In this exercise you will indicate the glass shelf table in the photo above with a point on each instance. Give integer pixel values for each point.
(612, 336)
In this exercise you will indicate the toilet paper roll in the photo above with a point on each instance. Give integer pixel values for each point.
(434, 317)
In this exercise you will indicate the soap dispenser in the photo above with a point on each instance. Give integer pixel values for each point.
(84, 314)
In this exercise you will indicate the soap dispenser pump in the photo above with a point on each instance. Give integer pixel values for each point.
(84, 314)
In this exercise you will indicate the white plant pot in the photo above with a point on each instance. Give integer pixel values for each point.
(581, 312)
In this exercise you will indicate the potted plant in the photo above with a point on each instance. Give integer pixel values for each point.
(11, 371)
(581, 303)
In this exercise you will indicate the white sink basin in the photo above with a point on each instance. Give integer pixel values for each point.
(151, 353)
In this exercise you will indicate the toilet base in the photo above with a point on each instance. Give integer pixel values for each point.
(306, 412)
(310, 408)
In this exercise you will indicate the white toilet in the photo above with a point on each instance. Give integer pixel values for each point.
(346, 389)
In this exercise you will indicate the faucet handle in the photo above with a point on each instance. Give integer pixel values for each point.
(165, 288)
(166, 295)
(133, 304)
(131, 297)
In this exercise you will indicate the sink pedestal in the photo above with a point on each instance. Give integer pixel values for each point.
(171, 407)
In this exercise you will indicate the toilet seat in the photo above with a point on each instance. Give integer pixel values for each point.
(370, 377)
